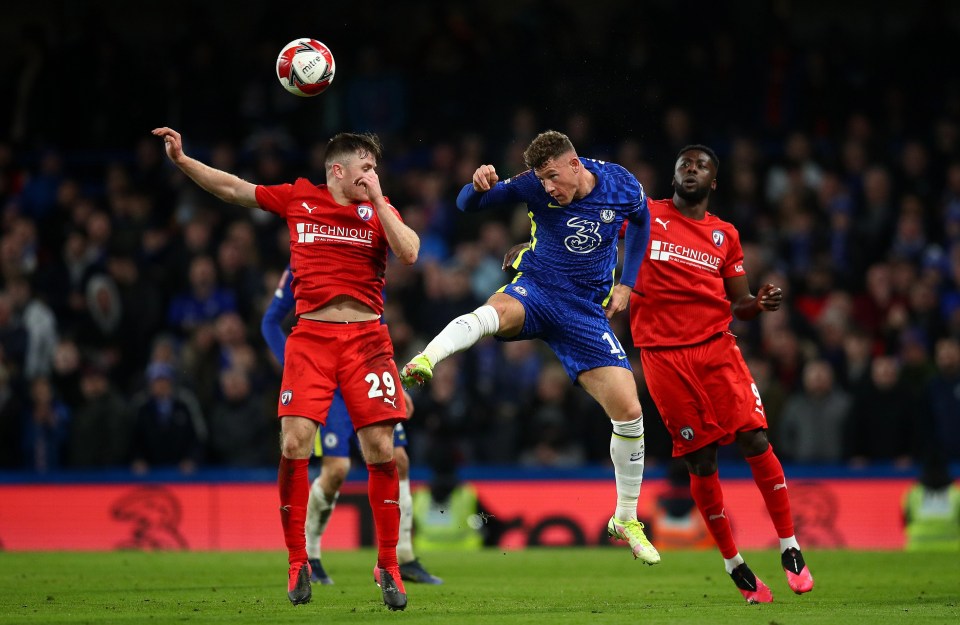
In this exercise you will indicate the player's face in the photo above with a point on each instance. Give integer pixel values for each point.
(694, 176)
(353, 167)
(560, 178)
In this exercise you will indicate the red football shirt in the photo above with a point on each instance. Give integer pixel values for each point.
(334, 249)
(679, 297)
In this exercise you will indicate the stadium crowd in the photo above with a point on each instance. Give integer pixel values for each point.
(130, 301)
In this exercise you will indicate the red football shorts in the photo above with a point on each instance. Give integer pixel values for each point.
(357, 357)
(704, 392)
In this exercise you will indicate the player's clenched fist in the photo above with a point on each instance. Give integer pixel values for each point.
(484, 178)
(769, 297)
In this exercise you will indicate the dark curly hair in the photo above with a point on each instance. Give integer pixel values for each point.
(546, 146)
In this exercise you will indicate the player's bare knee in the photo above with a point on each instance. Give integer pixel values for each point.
(753, 442)
(294, 444)
(628, 414)
(703, 461)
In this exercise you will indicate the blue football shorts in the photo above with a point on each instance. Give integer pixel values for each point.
(570, 322)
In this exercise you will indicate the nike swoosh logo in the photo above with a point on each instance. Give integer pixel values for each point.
(552, 205)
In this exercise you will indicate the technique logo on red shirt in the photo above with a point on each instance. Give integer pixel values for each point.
(665, 250)
(313, 233)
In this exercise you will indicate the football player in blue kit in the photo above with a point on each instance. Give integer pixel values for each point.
(564, 294)
(332, 445)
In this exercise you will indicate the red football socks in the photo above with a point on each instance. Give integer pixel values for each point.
(383, 489)
(294, 485)
(768, 474)
(708, 496)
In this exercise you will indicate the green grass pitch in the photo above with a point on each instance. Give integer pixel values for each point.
(549, 586)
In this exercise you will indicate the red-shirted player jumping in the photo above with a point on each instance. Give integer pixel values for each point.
(340, 233)
(680, 312)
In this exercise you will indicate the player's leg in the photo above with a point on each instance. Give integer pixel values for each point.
(411, 570)
(306, 391)
(376, 403)
(615, 390)
(332, 444)
(376, 444)
(296, 445)
(708, 496)
(769, 477)
(501, 315)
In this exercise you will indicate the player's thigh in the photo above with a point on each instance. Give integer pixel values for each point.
(376, 443)
(615, 389)
(369, 380)
(733, 394)
(308, 381)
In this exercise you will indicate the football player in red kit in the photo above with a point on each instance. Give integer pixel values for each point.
(680, 312)
(340, 234)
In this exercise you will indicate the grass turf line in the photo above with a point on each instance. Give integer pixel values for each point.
(534, 586)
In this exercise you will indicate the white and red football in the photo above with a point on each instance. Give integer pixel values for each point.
(305, 67)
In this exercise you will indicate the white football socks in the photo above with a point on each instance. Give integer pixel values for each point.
(731, 563)
(405, 544)
(319, 509)
(627, 453)
(462, 332)
(786, 543)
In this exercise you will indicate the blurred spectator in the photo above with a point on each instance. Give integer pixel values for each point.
(943, 437)
(813, 422)
(883, 418)
(204, 299)
(100, 433)
(13, 337)
(66, 373)
(797, 173)
(46, 429)
(167, 429)
(41, 326)
(445, 413)
(244, 431)
(549, 422)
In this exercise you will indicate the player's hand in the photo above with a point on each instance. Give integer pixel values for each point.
(484, 178)
(769, 297)
(618, 300)
(370, 181)
(512, 254)
(172, 142)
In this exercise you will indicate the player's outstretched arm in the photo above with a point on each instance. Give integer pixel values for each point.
(226, 186)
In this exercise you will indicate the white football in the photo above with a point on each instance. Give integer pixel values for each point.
(305, 67)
